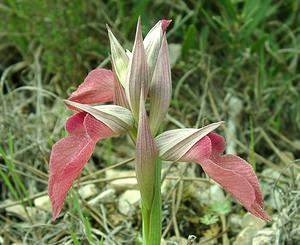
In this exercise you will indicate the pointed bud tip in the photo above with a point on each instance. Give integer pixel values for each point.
(165, 24)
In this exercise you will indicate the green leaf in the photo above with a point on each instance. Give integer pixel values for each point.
(221, 208)
(209, 219)
(190, 40)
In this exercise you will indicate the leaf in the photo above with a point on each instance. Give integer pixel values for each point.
(221, 208)
(209, 219)
(190, 40)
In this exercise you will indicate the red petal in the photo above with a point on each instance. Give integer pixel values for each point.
(165, 24)
(233, 173)
(70, 154)
(201, 150)
(218, 143)
(98, 87)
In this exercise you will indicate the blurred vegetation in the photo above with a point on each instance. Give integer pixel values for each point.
(243, 49)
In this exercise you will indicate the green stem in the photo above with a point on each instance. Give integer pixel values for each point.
(152, 218)
(146, 222)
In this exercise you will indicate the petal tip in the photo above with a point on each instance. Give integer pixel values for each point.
(165, 24)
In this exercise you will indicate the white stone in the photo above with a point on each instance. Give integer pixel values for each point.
(43, 202)
(251, 220)
(122, 183)
(104, 197)
(128, 200)
(88, 191)
(251, 226)
(245, 236)
(20, 211)
(212, 194)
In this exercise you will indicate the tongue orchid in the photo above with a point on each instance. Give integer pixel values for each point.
(135, 76)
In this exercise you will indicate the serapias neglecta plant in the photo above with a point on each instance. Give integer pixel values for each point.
(136, 77)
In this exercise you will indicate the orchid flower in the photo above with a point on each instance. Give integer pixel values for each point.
(135, 76)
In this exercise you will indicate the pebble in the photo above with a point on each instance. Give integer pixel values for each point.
(19, 211)
(88, 191)
(106, 196)
(251, 226)
(212, 194)
(127, 201)
(251, 220)
(43, 202)
(122, 184)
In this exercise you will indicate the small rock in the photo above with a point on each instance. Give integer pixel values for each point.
(43, 202)
(245, 236)
(251, 220)
(264, 237)
(32, 212)
(127, 201)
(234, 221)
(1, 240)
(104, 197)
(122, 183)
(88, 191)
(212, 194)
(173, 240)
(251, 226)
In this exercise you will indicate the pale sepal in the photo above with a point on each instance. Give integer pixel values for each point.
(160, 88)
(137, 77)
(152, 43)
(173, 144)
(117, 118)
(119, 57)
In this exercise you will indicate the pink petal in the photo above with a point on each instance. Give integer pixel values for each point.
(165, 24)
(70, 154)
(234, 174)
(218, 143)
(200, 151)
(97, 87)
